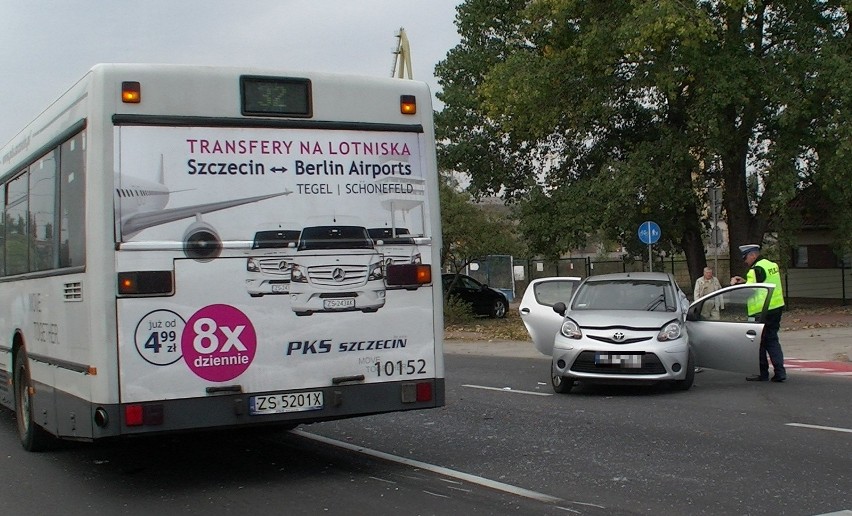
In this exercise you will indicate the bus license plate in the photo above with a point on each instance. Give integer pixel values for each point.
(338, 304)
(626, 361)
(289, 402)
(279, 289)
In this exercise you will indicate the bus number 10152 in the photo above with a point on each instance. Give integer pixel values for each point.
(400, 367)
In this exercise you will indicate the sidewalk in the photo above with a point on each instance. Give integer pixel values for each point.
(826, 344)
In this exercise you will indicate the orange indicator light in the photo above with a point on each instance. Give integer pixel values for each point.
(131, 92)
(408, 105)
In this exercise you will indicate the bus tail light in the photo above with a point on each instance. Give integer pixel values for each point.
(408, 104)
(424, 391)
(138, 415)
(145, 283)
(131, 92)
(416, 392)
(409, 274)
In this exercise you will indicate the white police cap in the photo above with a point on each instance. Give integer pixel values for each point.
(745, 249)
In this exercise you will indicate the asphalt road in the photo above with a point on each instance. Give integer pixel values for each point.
(504, 444)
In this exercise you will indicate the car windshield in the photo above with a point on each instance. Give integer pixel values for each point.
(274, 239)
(626, 294)
(334, 237)
(386, 235)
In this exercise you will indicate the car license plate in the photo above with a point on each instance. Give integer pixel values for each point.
(614, 359)
(279, 288)
(338, 304)
(285, 402)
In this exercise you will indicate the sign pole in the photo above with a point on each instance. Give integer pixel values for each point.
(650, 259)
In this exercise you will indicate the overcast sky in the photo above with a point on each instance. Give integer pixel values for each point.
(47, 45)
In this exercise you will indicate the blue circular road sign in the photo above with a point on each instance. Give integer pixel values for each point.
(649, 232)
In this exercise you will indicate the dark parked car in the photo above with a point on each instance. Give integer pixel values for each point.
(483, 299)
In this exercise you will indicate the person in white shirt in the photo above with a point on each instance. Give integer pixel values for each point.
(705, 285)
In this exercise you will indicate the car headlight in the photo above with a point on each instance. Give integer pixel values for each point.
(297, 276)
(416, 258)
(570, 329)
(376, 272)
(252, 266)
(671, 331)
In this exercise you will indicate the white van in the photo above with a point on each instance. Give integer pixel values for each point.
(269, 264)
(336, 268)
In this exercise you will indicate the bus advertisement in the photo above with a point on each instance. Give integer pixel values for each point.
(200, 257)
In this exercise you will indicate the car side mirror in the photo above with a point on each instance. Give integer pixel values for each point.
(560, 308)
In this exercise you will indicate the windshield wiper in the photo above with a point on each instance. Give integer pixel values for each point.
(656, 302)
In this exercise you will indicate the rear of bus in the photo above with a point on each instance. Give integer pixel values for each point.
(208, 158)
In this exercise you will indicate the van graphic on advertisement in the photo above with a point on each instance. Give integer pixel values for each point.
(269, 264)
(336, 268)
(398, 247)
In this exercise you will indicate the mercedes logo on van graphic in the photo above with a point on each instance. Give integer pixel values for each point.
(282, 265)
(338, 274)
(618, 336)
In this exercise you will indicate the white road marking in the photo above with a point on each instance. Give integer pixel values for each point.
(499, 486)
(818, 427)
(507, 389)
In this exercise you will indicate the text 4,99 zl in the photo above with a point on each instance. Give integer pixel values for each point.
(400, 367)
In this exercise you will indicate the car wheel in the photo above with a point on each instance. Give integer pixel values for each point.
(498, 311)
(33, 437)
(561, 384)
(686, 383)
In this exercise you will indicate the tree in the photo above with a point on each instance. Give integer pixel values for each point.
(605, 114)
(470, 232)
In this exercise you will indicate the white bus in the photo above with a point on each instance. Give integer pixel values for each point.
(131, 208)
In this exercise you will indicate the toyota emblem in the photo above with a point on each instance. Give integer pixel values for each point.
(618, 336)
(338, 274)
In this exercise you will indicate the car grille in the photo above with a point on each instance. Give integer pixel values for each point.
(585, 363)
(610, 340)
(275, 266)
(338, 275)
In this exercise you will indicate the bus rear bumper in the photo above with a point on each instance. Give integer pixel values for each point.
(223, 411)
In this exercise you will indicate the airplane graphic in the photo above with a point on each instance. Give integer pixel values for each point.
(142, 204)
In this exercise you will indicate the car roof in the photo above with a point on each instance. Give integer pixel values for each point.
(624, 276)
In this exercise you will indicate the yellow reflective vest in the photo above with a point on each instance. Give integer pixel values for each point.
(773, 275)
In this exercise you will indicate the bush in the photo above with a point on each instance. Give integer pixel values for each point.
(457, 311)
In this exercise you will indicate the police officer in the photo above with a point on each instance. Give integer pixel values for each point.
(763, 271)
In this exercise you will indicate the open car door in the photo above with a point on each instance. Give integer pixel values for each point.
(729, 341)
(537, 309)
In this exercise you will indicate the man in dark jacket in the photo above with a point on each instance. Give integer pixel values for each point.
(762, 270)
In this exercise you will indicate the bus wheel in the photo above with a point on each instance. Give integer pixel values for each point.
(33, 437)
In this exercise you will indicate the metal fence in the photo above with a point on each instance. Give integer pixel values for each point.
(512, 275)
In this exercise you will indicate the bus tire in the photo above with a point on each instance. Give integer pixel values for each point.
(33, 437)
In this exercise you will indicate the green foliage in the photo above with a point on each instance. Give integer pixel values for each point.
(457, 311)
(471, 232)
(596, 116)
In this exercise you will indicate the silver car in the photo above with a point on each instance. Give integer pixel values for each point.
(639, 327)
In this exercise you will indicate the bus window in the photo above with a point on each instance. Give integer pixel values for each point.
(72, 205)
(17, 240)
(42, 212)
